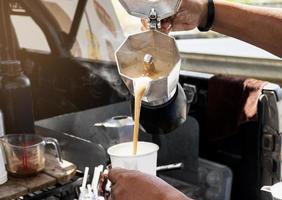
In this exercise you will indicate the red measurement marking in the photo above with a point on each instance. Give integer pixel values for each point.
(25, 157)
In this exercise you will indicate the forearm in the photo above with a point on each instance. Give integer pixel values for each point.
(261, 27)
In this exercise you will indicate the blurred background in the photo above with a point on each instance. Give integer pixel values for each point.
(102, 31)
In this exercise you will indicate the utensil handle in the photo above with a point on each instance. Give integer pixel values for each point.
(266, 188)
(170, 167)
(56, 144)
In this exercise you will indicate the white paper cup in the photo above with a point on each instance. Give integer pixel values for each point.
(3, 178)
(145, 160)
(3, 171)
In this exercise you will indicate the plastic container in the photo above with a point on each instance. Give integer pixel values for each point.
(145, 160)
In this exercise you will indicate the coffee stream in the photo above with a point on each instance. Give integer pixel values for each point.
(140, 85)
(139, 90)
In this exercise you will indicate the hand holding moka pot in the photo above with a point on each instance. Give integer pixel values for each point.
(154, 55)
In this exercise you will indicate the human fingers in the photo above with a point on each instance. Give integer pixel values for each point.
(115, 173)
(181, 16)
(166, 30)
(116, 192)
(145, 25)
(144, 29)
(182, 27)
(166, 25)
(174, 23)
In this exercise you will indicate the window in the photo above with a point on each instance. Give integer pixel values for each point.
(29, 35)
(129, 23)
(99, 33)
(63, 11)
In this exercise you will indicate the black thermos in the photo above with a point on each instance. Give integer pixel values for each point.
(16, 99)
(15, 90)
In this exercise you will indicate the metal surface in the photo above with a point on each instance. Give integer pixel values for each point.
(149, 66)
(181, 145)
(215, 182)
(119, 129)
(59, 191)
(162, 47)
(156, 44)
(271, 138)
(266, 69)
(274, 88)
(167, 117)
(85, 145)
(77, 150)
(142, 8)
(116, 122)
(74, 131)
(154, 20)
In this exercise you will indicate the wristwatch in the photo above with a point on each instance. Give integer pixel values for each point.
(210, 18)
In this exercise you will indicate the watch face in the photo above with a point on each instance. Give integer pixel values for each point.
(105, 18)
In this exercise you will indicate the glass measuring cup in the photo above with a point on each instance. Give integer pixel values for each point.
(25, 153)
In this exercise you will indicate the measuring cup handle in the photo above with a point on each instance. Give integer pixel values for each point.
(55, 143)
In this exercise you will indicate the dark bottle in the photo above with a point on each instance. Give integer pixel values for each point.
(16, 99)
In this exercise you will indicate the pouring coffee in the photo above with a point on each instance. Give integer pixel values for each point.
(155, 55)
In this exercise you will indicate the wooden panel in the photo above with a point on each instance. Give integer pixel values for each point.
(35, 183)
(63, 172)
(53, 173)
(11, 190)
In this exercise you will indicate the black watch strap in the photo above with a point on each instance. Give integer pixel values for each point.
(210, 18)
